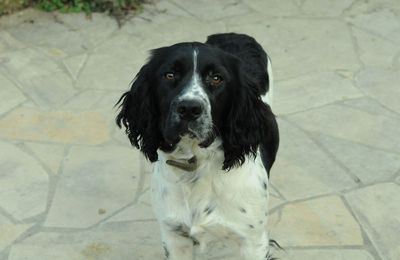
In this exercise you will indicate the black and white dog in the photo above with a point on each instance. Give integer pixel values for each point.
(201, 113)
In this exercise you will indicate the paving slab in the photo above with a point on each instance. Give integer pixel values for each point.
(378, 210)
(10, 231)
(363, 162)
(9, 94)
(134, 240)
(8, 42)
(382, 85)
(50, 155)
(324, 8)
(24, 183)
(301, 53)
(323, 221)
(384, 23)
(312, 90)
(274, 8)
(298, 174)
(221, 9)
(95, 182)
(353, 125)
(375, 51)
(64, 127)
(38, 76)
(331, 254)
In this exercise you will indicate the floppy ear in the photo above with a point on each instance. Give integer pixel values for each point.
(249, 125)
(139, 115)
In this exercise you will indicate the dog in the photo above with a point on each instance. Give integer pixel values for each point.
(201, 113)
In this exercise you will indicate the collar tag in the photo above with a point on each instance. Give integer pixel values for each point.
(185, 165)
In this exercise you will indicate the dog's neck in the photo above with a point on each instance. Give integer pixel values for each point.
(188, 155)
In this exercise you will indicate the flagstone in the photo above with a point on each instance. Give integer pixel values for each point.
(312, 90)
(10, 231)
(353, 125)
(302, 169)
(75, 64)
(378, 211)
(374, 51)
(331, 254)
(220, 9)
(24, 183)
(129, 240)
(64, 127)
(324, 8)
(38, 76)
(302, 53)
(364, 162)
(382, 85)
(95, 183)
(274, 8)
(10, 96)
(384, 23)
(318, 222)
(49, 154)
(8, 42)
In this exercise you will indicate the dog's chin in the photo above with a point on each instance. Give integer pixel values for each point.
(174, 135)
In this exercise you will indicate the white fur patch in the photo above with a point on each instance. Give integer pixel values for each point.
(267, 98)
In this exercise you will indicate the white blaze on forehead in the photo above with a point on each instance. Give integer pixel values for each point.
(194, 89)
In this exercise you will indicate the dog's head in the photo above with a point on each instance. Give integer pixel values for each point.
(197, 90)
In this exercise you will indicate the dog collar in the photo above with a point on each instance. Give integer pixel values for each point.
(188, 165)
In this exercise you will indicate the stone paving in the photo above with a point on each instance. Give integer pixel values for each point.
(72, 188)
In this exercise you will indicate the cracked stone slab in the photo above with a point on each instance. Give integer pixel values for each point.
(324, 8)
(368, 164)
(220, 9)
(371, 106)
(273, 8)
(59, 41)
(10, 232)
(109, 241)
(94, 29)
(113, 65)
(367, 7)
(8, 42)
(331, 254)
(353, 125)
(10, 96)
(96, 182)
(49, 154)
(375, 51)
(300, 53)
(23, 182)
(382, 85)
(75, 64)
(302, 169)
(378, 211)
(38, 76)
(65, 127)
(384, 23)
(318, 222)
(312, 90)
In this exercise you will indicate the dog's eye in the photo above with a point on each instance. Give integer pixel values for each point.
(169, 76)
(216, 80)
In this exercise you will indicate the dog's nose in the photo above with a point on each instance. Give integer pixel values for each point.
(189, 109)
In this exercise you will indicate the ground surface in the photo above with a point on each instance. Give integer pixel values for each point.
(71, 187)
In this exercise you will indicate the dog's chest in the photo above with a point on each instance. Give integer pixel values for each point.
(211, 203)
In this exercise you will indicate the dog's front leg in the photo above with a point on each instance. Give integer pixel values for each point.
(255, 246)
(176, 245)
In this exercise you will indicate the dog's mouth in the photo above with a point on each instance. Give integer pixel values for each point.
(193, 130)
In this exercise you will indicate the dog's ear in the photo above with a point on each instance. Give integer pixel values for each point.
(249, 125)
(139, 115)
